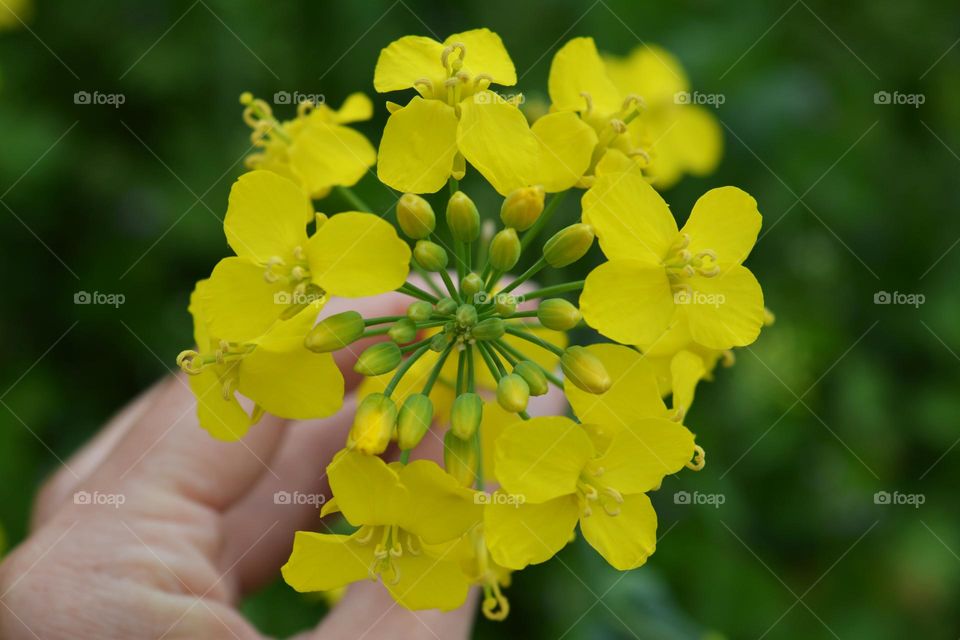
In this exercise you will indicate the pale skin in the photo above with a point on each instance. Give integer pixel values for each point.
(197, 531)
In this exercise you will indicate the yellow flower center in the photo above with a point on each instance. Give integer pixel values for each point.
(592, 491)
(389, 550)
(459, 84)
(225, 357)
(681, 263)
(612, 130)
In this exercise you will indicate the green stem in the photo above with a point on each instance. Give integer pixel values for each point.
(416, 292)
(452, 288)
(554, 290)
(506, 354)
(405, 456)
(529, 337)
(416, 345)
(379, 331)
(519, 356)
(454, 185)
(543, 220)
(431, 283)
(461, 371)
(526, 275)
(494, 370)
(436, 370)
(355, 200)
(381, 319)
(395, 380)
(471, 381)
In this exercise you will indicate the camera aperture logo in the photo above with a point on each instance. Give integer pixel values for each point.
(499, 498)
(714, 100)
(299, 498)
(896, 498)
(911, 99)
(696, 498)
(97, 98)
(96, 297)
(115, 500)
(910, 299)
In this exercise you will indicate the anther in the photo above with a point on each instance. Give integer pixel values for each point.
(426, 84)
(619, 126)
(589, 100)
(699, 459)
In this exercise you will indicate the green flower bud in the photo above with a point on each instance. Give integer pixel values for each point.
(471, 285)
(403, 331)
(420, 311)
(430, 255)
(585, 370)
(378, 359)
(505, 305)
(467, 315)
(463, 217)
(335, 332)
(505, 250)
(533, 375)
(439, 342)
(414, 420)
(373, 424)
(446, 306)
(513, 393)
(461, 458)
(558, 314)
(415, 216)
(568, 245)
(466, 415)
(489, 329)
(522, 207)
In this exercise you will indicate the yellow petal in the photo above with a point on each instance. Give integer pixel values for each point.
(644, 452)
(418, 147)
(495, 138)
(266, 216)
(577, 69)
(627, 539)
(238, 304)
(442, 395)
(429, 583)
(566, 148)
(630, 218)
(649, 71)
(614, 161)
(495, 420)
(629, 301)
(356, 108)
(407, 60)
(223, 418)
(320, 562)
(442, 510)
(367, 490)
(633, 395)
(524, 534)
(541, 458)
(727, 310)
(686, 370)
(724, 220)
(327, 155)
(357, 254)
(486, 54)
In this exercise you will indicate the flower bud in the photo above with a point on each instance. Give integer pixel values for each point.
(414, 420)
(461, 458)
(471, 285)
(430, 255)
(439, 342)
(558, 314)
(415, 216)
(446, 306)
(568, 245)
(378, 359)
(335, 332)
(466, 415)
(420, 311)
(513, 393)
(466, 315)
(585, 370)
(505, 305)
(489, 329)
(505, 250)
(373, 424)
(403, 331)
(533, 375)
(463, 217)
(522, 207)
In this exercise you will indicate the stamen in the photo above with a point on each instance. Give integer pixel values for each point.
(699, 459)
(729, 359)
(589, 100)
(495, 605)
(427, 87)
(613, 493)
(611, 510)
(633, 100)
(618, 126)
(365, 538)
(482, 81)
(187, 361)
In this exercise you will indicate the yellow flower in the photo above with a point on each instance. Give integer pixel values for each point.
(279, 270)
(552, 476)
(274, 370)
(680, 137)
(457, 119)
(315, 149)
(409, 518)
(653, 268)
(634, 109)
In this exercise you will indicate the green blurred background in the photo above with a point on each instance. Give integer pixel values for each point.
(840, 399)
